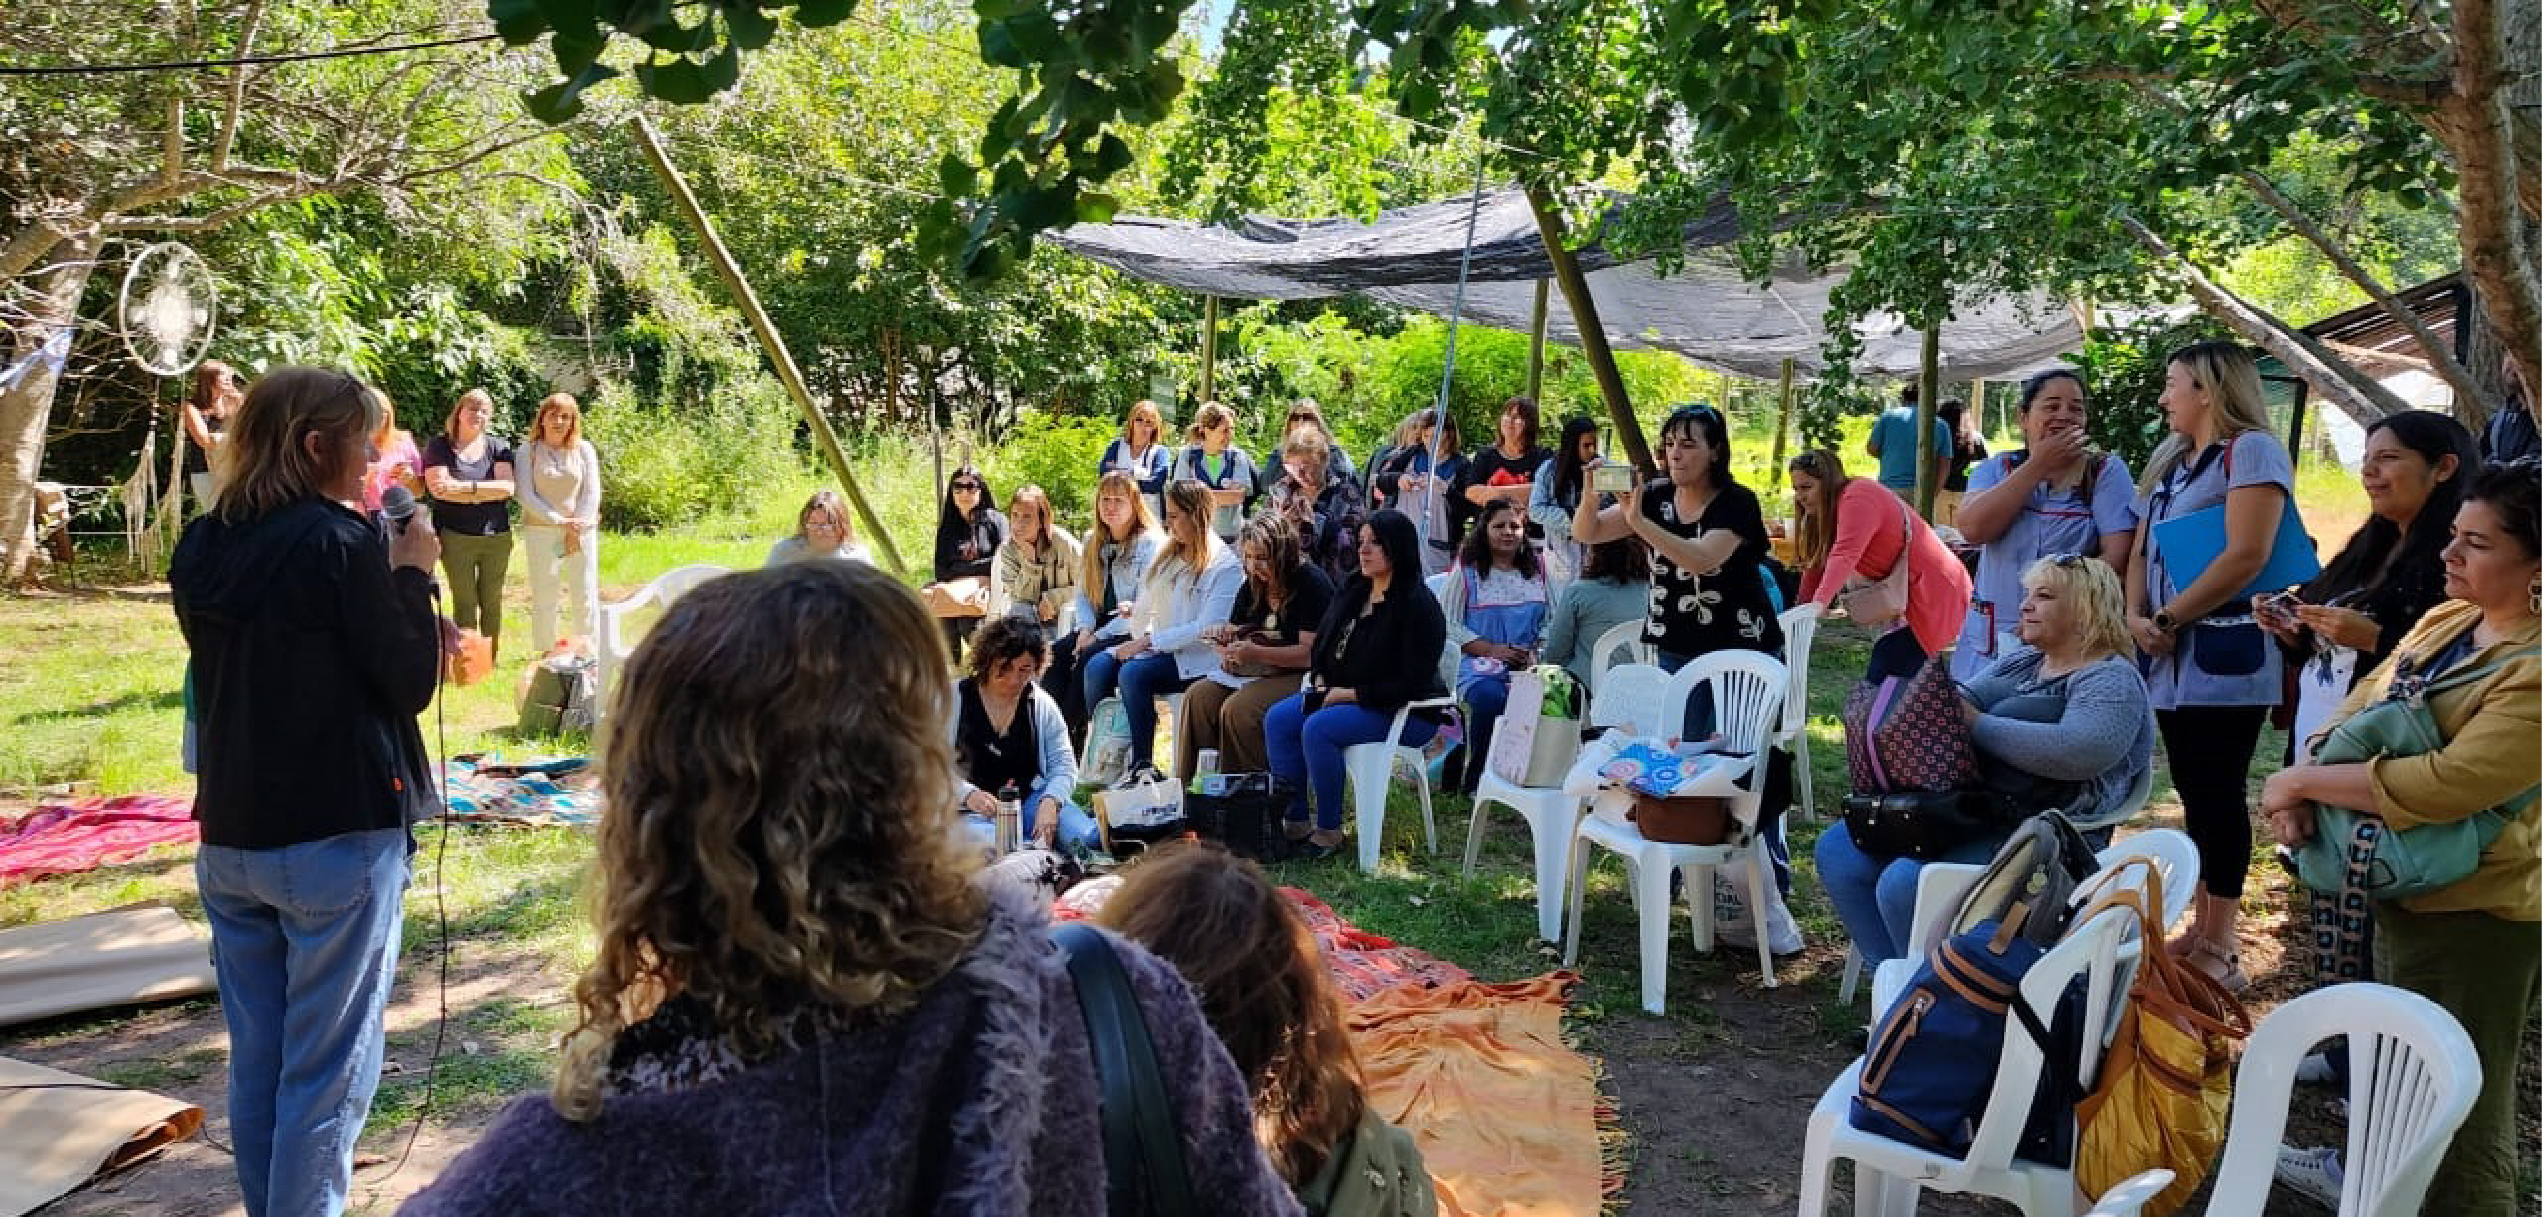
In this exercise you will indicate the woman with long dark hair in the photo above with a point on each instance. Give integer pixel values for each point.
(1264, 989)
(799, 999)
(969, 530)
(2473, 946)
(314, 646)
(1504, 470)
(218, 390)
(2212, 673)
(1853, 528)
(1556, 493)
(1377, 648)
(1406, 482)
(1263, 649)
(1495, 603)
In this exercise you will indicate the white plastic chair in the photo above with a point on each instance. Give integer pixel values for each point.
(1621, 644)
(2137, 796)
(2128, 1198)
(611, 646)
(1747, 695)
(1636, 700)
(2412, 1078)
(1371, 770)
(1800, 630)
(1888, 1175)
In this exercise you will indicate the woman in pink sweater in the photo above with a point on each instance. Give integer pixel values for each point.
(1856, 531)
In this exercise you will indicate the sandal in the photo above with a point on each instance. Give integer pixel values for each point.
(2207, 956)
(1322, 845)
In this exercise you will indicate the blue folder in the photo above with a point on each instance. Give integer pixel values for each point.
(2192, 542)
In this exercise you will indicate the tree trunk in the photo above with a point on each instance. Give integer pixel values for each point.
(2333, 380)
(1584, 319)
(26, 409)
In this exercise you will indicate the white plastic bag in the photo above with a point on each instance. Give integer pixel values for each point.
(1730, 922)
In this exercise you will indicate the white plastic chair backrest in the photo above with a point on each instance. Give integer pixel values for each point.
(1747, 695)
(2175, 856)
(2139, 793)
(1438, 585)
(665, 588)
(2129, 1198)
(1800, 630)
(2412, 1076)
(1633, 697)
(1621, 644)
(1939, 889)
(2089, 949)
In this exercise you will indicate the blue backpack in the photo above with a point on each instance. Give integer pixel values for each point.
(1931, 1063)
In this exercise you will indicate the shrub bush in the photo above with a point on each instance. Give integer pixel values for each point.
(666, 464)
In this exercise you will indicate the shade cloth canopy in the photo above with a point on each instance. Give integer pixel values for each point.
(1706, 311)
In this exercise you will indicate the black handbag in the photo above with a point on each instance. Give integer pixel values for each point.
(1242, 811)
(1143, 1173)
(1920, 824)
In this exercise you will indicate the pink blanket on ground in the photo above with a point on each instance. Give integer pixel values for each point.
(67, 838)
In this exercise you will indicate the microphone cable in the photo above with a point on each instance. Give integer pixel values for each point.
(441, 884)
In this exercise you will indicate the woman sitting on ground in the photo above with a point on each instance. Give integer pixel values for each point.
(1495, 603)
(1036, 575)
(1191, 587)
(2062, 722)
(1263, 987)
(1609, 592)
(1326, 506)
(798, 992)
(1009, 742)
(822, 531)
(1377, 648)
(968, 533)
(1263, 650)
(2472, 946)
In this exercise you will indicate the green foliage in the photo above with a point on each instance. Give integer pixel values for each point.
(2123, 371)
(1057, 454)
(669, 462)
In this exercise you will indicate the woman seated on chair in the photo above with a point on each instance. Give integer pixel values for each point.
(1010, 742)
(1191, 586)
(1495, 604)
(1609, 592)
(968, 534)
(1263, 986)
(1377, 648)
(1263, 650)
(1324, 503)
(2472, 946)
(1115, 559)
(822, 532)
(2061, 722)
(798, 992)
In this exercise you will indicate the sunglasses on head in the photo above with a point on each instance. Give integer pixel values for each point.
(973, 487)
(2068, 561)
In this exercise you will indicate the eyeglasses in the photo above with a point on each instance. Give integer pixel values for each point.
(2068, 561)
(973, 487)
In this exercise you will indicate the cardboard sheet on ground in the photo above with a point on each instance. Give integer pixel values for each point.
(59, 1130)
(145, 953)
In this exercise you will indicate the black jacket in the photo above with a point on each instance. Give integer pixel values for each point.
(1387, 658)
(311, 659)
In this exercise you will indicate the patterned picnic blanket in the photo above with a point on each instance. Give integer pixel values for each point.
(535, 794)
(68, 838)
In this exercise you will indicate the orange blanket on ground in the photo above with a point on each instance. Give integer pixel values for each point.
(1506, 1114)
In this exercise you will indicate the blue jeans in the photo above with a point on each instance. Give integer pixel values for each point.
(1077, 830)
(1145, 678)
(1099, 672)
(1484, 697)
(1875, 896)
(1306, 750)
(304, 943)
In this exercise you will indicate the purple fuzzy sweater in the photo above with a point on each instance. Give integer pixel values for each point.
(980, 1100)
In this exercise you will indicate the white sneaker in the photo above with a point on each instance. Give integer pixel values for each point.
(2315, 1070)
(2312, 1173)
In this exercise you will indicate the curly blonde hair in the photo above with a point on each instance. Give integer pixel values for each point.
(779, 834)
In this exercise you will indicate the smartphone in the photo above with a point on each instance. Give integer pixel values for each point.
(1611, 479)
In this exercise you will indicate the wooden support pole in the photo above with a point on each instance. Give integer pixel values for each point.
(1783, 420)
(1928, 470)
(773, 343)
(1208, 348)
(1584, 318)
(1536, 343)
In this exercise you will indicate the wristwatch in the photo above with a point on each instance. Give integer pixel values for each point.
(2163, 621)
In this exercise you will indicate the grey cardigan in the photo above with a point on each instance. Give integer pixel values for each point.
(2104, 738)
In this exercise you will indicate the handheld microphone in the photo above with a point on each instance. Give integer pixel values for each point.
(398, 504)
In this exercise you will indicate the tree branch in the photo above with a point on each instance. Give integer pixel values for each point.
(2440, 354)
(2356, 394)
(228, 137)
